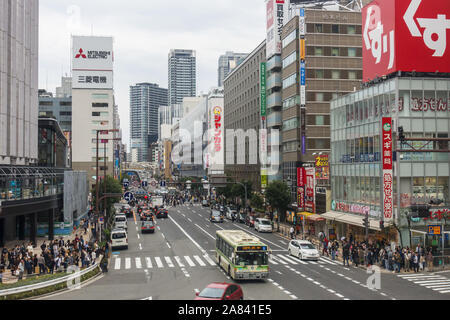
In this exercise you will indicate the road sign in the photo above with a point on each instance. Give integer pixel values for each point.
(128, 196)
(126, 184)
(101, 220)
(135, 184)
(144, 184)
(434, 230)
(162, 184)
(153, 183)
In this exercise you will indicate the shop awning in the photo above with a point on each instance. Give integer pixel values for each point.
(353, 219)
(312, 216)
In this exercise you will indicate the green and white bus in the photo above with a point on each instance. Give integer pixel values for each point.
(242, 256)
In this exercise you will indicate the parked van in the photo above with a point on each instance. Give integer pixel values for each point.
(119, 239)
(121, 222)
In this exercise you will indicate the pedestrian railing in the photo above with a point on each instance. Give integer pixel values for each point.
(70, 277)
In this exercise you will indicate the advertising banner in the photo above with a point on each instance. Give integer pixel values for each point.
(388, 196)
(392, 30)
(301, 198)
(92, 53)
(302, 24)
(310, 190)
(263, 90)
(275, 11)
(322, 167)
(217, 136)
(301, 177)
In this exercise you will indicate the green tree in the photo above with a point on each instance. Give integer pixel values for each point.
(239, 191)
(112, 186)
(257, 201)
(277, 195)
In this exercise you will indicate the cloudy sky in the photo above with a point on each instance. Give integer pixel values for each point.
(144, 31)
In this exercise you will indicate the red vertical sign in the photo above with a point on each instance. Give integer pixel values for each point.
(301, 181)
(388, 199)
(310, 189)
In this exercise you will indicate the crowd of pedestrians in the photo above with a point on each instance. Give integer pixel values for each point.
(54, 256)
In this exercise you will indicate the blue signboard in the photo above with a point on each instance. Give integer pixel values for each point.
(144, 184)
(163, 184)
(302, 12)
(302, 73)
(126, 184)
(128, 196)
(434, 230)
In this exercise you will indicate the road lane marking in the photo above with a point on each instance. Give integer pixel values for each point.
(327, 261)
(149, 262)
(178, 260)
(293, 297)
(208, 259)
(279, 260)
(127, 263)
(200, 261)
(258, 236)
(140, 246)
(139, 237)
(278, 272)
(183, 215)
(138, 263)
(205, 231)
(283, 242)
(186, 274)
(163, 235)
(312, 262)
(168, 245)
(272, 261)
(117, 264)
(189, 261)
(189, 237)
(169, 262)
(159, 262)
(189, 220)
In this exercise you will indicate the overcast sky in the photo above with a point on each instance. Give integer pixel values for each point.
(144, 31)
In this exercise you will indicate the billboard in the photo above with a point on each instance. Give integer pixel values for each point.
(92, 79)
(216, 152)
(92, 53)
(276, 11)
(322, 167)
(388, 189)
(310, 190)
(393, 29)
(263, 131)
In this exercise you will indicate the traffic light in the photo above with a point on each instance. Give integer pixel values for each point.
(401, 134)
(366, 222)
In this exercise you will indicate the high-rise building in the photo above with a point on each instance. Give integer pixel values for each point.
(18, 82)
(321, 59)
(227, 63)
(93, 105)
(65, 90)
(182, 75)
(242, 111)
(145, 101)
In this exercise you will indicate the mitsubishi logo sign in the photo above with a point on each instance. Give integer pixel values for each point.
(435, 33)
(80, 54)
(405, 35)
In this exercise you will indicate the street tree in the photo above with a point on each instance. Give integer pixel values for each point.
(277, 195)
(112, 186)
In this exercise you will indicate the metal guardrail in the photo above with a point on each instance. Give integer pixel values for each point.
(45, 284)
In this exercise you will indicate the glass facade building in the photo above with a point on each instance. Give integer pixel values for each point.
(421, 107)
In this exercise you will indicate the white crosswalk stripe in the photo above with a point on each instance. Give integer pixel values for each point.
(436, 283)
(178, 260)
(117, 264)
(279, 260)
(209, 260)
(169, 262)
(272, 261)
(200, 261)
(138, 263)
(189, 261)
(149, 262)
(127, 263)
(159, 262)
(327, 261)
(287, 259)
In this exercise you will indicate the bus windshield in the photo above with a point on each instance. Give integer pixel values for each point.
(251, 258)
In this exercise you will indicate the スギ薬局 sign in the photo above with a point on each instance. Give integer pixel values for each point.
(388, 190)
(405, 35)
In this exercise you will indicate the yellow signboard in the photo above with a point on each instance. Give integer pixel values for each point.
(302, 49)
(435, 230)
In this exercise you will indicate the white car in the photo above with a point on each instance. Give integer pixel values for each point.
(263, 225)
(121, 222)
(119, 239)
(304, 250)
(230, 212)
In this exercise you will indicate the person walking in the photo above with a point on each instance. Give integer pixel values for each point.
(416, 262)
(355, 256)
(430, 261)
(346, 253)
(21, 269)
(407, 260)
(325, 246)
(291, 232)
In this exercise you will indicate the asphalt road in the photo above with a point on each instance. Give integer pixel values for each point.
(178, 260)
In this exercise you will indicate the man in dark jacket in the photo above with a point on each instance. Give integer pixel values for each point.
(346, 252)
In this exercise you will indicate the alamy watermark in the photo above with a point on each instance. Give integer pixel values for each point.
(74, 280)
(374, 281)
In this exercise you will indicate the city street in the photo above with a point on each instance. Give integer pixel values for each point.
(178, 260)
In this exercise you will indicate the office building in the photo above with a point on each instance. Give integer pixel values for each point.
(145, 101)
(321, 59)
(65, 90)
(59, 108)
(93, 105)
(227, 63)
(242, 111)
(182, 75)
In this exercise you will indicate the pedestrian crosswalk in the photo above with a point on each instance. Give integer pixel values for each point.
(431, 281)
(162, 262)
(199, 261)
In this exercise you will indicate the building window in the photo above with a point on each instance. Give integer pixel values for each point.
(318, 51)
(319, 74)
(289, 59)
(65, 103)
(351, 30)
(319, 96)
(291, 102)
(334, 52)
(318, 28)
(335, 74)
(290, 124)
(320, 120)
(334, 28)
(290, 37)
(46, 103)
(99, 105)
(289, 81)
(318, 144)
(352, 75)
(352, 52)
(96, 114)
